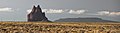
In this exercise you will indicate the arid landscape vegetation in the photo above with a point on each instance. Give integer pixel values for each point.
(59, 27)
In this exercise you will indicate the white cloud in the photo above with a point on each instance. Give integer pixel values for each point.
(108, 13)
(54, 11)
(103, 13)
(115, 13)
(60, 11)
(6, 9)
(49, 11)
(28, 11)
(76, 12)
(44, 10)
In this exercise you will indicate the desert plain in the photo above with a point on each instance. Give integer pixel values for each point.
(59, 27)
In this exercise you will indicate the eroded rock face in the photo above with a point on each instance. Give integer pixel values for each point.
(37, 15)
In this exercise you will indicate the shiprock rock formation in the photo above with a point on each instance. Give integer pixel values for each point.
(37, 15)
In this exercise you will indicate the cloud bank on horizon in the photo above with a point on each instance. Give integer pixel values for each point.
(58, 11)
(6, 9)
(48, 11)
(109, 13)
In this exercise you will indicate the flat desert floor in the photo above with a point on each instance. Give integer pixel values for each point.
(59, 27)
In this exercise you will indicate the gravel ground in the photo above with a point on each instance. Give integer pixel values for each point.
(59, 27)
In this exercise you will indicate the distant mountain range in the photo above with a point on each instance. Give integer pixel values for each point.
(82, 20)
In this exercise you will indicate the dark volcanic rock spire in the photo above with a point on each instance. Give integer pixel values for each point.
(37, 15)
(38, 9)
(33, 10)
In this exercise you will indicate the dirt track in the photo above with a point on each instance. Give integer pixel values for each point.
(57, 27)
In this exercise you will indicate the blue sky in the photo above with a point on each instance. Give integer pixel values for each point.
(16, 10)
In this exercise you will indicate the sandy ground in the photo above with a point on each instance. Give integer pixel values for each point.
(59, 27)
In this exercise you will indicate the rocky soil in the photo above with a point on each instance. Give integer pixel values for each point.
(59, 27)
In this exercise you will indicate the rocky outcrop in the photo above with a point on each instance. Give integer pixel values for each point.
(37, 15)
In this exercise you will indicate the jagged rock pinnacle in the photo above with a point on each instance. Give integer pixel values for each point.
(37, 15)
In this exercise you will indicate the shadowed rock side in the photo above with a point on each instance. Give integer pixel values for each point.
(37, 15)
